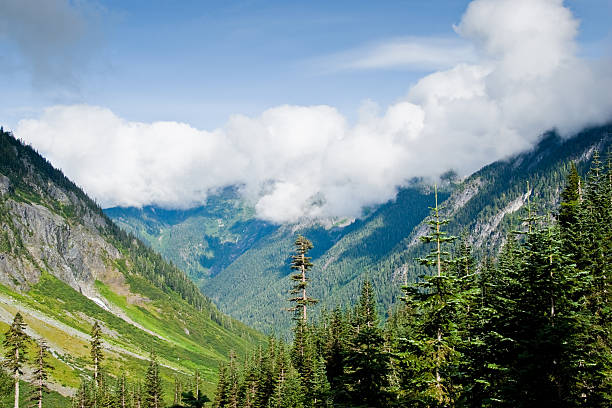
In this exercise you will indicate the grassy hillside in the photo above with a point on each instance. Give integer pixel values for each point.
(64, 265)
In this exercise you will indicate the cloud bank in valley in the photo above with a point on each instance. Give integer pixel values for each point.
(309, 161)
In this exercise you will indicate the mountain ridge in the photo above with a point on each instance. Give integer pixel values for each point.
(63, 258)
(485, 205)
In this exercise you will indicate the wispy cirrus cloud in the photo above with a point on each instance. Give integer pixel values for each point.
(405, 53)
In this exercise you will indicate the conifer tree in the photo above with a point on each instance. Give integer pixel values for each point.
(189, 400)
(41, 372)
(121, 390)
(15, 342)
(288, 391)
(268, 373)
(431, 354)
(252, 381)
(221, 396)
(96, 351)
(232, 381)
(301, 263)
(335, 354)
(153, 384)
(367, 359)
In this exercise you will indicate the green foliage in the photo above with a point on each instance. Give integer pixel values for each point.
(41, 372)
(153, 384)
(531, 328)
(301, 263)
(96, 351)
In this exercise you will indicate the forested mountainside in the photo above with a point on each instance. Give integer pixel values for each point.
(381, 245)
(531, 328)
(200, 241)
(64, 265)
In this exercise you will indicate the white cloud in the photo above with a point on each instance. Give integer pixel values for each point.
(296, 161)
(411, 53)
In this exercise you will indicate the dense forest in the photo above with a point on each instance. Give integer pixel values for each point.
(531, 328)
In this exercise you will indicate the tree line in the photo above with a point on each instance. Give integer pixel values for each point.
(531, 328)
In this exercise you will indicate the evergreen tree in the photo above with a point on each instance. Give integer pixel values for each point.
(41, 373)
(302, 264)
(335, 354)
(221, 396)
(15, 342)
(593, 260)
(192, 401)
(121, 391)
(367, 359)
(252, 380)
(288, 391)
(96, 351)
(430, 355)
(232, 381)
(153, 384)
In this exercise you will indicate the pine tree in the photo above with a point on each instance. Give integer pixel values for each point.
(301, 263)
(41, 372)
(192, 401)
(15, 342)
(221, 396)
(431, 355)
(267, 374)
(232, 381)
(594, 260)
(96, 351)
(288, 391)
(252, 381)
(367, 359)
(335, 352)
(121, 390)
(153, 384)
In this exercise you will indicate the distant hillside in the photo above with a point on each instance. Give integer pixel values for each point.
(382, 245)
(200, 241)
(64, 264)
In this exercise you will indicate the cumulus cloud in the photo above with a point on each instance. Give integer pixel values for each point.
(49, 39)
(296, 161)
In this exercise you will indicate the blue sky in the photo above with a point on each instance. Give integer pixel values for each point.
(314, 108)
(201, 61)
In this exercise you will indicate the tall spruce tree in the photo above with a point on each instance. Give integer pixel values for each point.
(301, 263)
(367, 359)
(153, 384)
(96, 351)
(16, 341)
(431, 354)
(41, 372)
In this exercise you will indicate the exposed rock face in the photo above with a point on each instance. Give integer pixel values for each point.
(4, 185)
(75, 253)
(46, 227)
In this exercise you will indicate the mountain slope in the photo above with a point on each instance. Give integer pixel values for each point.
(201, 241)
(383, 244)
(64, 264)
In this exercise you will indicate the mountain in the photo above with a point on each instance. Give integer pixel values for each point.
(64, 265)
(252, 285)
(201, 241)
